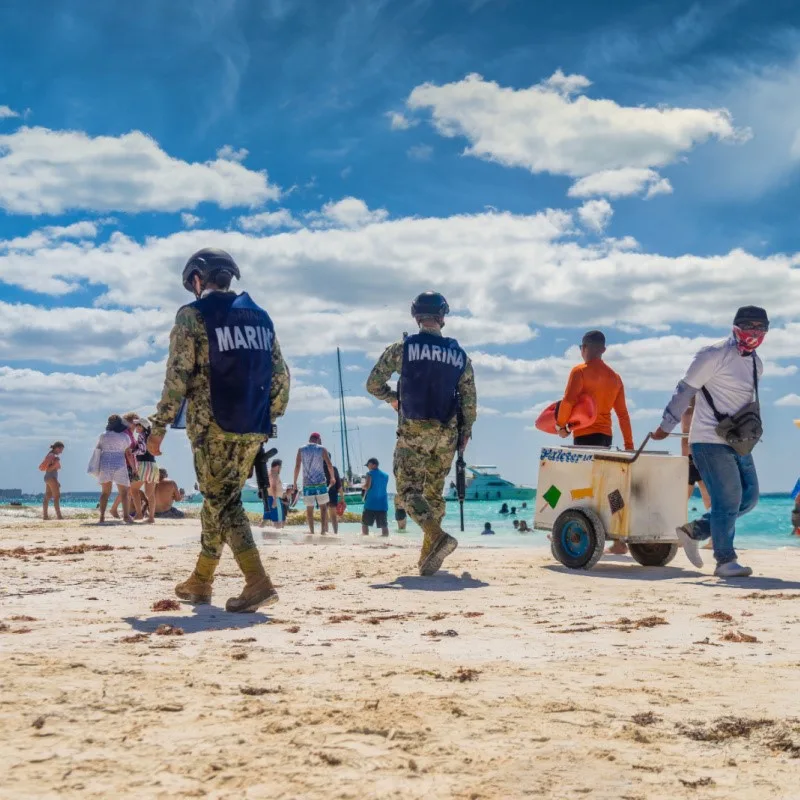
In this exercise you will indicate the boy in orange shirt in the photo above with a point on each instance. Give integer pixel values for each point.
(595, 378)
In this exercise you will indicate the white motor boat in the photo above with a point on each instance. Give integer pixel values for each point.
(485, 483)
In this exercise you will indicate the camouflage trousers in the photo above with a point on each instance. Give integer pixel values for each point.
(223, 463)
(422, 459)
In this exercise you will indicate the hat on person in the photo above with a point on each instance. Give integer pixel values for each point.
(751, 314)
(144, 422)
(315, 436)
(372, 461)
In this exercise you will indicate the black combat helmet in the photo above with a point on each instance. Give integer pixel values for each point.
(207, 263)
(429, 304)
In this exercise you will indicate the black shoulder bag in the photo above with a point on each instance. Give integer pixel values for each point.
(743, 430)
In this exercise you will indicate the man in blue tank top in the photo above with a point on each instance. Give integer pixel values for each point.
(313, 459)
(227, 379)
(376, 499)
(436, 378)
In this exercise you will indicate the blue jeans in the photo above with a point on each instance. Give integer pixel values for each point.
(732, 484)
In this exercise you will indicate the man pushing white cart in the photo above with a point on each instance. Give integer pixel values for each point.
(588, 495)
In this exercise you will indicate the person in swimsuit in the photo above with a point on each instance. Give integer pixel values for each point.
(52, 488)
(167, 493)
(130, 418)
(313, 458)
(277, 505)
(334, 495)
(146, 473)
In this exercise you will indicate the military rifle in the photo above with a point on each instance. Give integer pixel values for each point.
(461, 467)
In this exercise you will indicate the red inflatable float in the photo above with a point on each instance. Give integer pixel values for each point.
(583, 415)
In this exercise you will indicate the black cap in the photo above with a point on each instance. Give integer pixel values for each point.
(372, 461)
(594, 337)
(751, 314)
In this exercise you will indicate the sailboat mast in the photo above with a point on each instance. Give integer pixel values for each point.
(347, 469)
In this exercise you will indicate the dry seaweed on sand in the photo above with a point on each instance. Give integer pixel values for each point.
(166, 605)
(698, 783)
(738, 636)
(326, 587)
(717, 616)
(136, 637)
(724, 729)
(645, 718)
(169, 630)
(440, 634)
(68, 550)
(465, 674)
(257, 691)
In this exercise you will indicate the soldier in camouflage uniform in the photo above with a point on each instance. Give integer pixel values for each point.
(435, 375)
(226, 372)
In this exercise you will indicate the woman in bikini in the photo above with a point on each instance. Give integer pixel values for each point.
(52, 488)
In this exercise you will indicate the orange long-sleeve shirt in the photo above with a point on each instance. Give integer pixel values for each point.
(601, 382)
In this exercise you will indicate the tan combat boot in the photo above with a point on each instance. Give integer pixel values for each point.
(442, 545)
(198, 588)
(258, 589)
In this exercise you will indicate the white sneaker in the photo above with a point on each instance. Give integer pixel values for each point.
(733, 569)
(690, 546)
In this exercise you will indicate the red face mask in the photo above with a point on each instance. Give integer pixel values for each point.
(748, 339)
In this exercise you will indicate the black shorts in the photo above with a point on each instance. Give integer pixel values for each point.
(593, 440)
(400, 514)
(333, 498)
(377, 518)
(694, 473)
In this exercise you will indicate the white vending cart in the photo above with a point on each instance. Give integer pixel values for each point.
(587, 495)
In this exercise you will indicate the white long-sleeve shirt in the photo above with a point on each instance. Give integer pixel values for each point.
(727, 376)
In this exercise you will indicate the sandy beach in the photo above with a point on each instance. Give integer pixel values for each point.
(504, 676)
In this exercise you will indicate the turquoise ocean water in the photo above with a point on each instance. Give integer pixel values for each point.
(767, 527)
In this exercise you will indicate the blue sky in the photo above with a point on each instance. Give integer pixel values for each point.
(549, 169)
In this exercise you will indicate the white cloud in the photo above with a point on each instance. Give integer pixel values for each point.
(420, 152)
(620, 182)
(229, 153)
(50, 234)
(499, 271)
(361, 421)
(596, 214)
(88, 336)
(547, 128)
(487, 411)
(190, 220)
(399, 121)
(308, 397)
(662, 186)
(49, 172)
(282, 218)
(349, 212)
(7, 113)
(788, 400)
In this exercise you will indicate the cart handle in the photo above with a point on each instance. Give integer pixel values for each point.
(621, 458)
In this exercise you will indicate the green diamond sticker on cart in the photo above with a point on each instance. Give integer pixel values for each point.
(552, 496)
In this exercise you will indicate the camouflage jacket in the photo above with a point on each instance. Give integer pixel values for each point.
(392, 362)
(188, 376)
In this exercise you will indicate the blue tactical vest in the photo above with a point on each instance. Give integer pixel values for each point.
(240, 336)
(432, 368)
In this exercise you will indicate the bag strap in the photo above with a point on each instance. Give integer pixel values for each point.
(710, 400)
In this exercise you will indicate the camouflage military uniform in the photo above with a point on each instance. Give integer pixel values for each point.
(222, 460)
(425, 448)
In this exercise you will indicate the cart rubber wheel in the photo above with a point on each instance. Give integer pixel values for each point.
(653, 554)
(578, 538)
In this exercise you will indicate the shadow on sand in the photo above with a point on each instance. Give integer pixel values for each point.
(442, 581)
(205, 618)
(628, 571)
